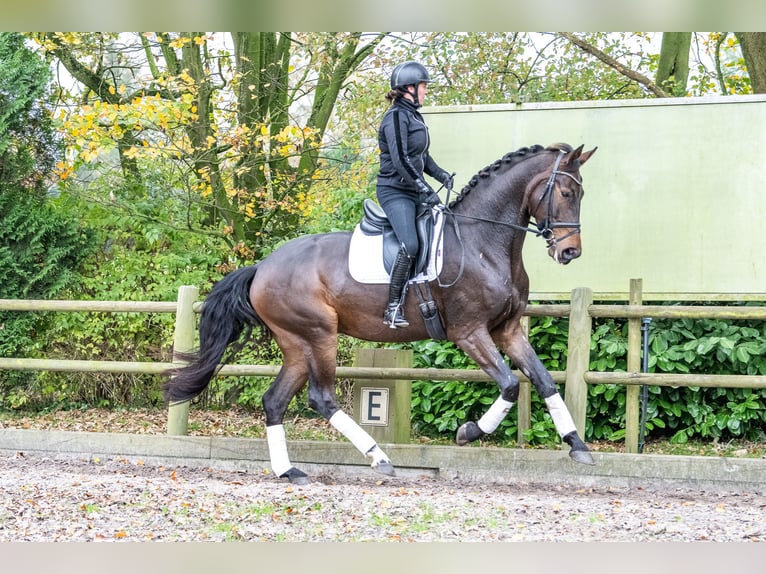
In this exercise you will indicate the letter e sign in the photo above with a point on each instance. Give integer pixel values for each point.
(374, 409)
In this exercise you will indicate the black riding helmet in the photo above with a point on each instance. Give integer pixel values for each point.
(409, 74)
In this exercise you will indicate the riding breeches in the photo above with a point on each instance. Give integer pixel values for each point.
(401, 208)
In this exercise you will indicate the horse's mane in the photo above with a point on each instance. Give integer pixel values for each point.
(505, 163)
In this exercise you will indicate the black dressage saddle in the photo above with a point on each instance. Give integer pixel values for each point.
(375, 222)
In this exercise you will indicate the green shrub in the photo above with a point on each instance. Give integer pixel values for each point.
(680, 346)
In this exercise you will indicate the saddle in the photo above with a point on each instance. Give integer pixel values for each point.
(375, 222)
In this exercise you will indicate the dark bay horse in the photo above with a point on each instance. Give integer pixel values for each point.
(303, 295)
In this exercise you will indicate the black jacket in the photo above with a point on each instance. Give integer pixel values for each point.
(403, 141)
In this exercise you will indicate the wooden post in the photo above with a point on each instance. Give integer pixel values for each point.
(524, 406)
(632, 392)
(382, 406)
(578, 356)
(183, 341)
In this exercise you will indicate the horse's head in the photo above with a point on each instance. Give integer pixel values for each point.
(554, 202)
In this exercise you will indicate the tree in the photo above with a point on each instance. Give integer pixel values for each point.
(753, 46)
(615, 64)
(28, 146)
(674, 58)
(673, 67)
(40, 250)
(244, 125)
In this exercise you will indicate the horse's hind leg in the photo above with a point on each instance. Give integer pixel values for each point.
(323, 400)
(315, 363)
(275, 401)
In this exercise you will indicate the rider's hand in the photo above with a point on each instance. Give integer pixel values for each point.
(428, 196)
(447, 179)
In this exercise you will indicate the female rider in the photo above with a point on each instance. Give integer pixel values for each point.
(401, 188)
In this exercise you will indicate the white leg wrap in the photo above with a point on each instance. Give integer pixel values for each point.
(275, 437)
(560, 415)
(495, 415)
(353, 432)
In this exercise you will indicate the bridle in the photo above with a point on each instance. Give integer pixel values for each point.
(546, 226)
(543, 228)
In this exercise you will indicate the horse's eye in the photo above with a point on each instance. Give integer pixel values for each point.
(566, 193)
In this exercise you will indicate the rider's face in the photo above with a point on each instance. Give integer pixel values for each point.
(422, 91)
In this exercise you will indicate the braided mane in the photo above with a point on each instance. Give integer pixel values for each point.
(504, 163)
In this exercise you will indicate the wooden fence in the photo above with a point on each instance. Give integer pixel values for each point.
(580, 311)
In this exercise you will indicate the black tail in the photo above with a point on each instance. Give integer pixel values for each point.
(227, 312)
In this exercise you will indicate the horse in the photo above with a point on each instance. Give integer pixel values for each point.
(302, 295)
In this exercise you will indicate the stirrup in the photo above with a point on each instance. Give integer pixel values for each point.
(394, 318)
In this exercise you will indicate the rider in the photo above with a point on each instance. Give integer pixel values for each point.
(401, 188)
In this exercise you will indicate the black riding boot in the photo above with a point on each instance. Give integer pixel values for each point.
(400, 274)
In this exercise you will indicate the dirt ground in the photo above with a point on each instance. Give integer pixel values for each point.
(76, 499)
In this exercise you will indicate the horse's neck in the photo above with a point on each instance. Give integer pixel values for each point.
(500, 201)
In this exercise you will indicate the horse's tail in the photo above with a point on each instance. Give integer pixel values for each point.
(226, 314)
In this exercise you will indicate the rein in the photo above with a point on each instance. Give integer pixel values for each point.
(543, 228)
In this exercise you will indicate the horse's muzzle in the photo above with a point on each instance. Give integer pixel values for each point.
(568, 255)
(565, 255)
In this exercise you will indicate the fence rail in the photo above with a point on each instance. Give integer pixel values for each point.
(580, 310)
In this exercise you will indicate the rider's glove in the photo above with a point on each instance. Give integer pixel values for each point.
(428, 196)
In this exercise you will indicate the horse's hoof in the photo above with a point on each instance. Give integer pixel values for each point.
(582, 456)
(295, 476)
(384, 467)
(468, 432)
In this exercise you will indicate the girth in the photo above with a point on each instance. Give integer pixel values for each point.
(375, 222)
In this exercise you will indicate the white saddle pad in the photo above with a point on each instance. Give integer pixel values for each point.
(365, 256)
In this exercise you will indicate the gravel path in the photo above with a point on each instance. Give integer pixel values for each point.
(73, 499)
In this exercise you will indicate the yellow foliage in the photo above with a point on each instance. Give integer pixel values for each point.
(132, 152)
(179, 42)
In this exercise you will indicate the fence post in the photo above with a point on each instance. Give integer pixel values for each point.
(634, 366)
(382, 406)
(578, 356)
(524, 402)
(183, 341)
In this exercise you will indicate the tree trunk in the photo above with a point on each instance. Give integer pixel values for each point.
(673, 67)
(753, 46)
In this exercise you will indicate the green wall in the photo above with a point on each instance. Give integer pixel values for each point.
(675, 194)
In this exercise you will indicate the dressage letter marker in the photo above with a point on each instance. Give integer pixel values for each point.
(382, 406)
(374, 409)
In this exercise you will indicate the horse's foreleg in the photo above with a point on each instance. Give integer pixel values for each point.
(485, 353)
(524, 356)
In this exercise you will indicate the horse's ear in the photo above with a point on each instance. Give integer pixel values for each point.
(575, 158)
(579, 155)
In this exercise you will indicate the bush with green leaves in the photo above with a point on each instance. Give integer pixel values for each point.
(41, 248)
(677, 413)
(40, 253)
(136, 258)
